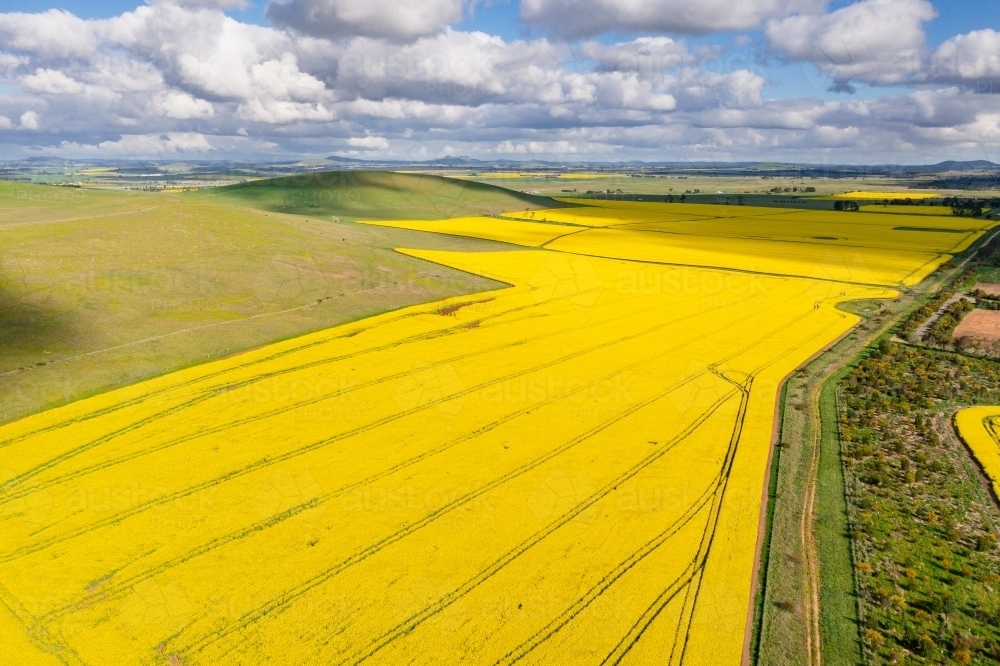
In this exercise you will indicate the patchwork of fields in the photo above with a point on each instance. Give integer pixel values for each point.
(569, 470)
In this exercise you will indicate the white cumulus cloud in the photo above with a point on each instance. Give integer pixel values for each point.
(182, 106)
(368, 142)
(972, 57)
(52, 34)
(29, 120)
(182, 77)
(876, 41)
(392, 19)
(51, 82)
(644, 55)
(146, 144)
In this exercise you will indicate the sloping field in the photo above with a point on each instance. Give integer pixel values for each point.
(979, 427)
(101, 289)
(566, 471)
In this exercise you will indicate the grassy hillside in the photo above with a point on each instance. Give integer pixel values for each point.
(100, 289)
(375, 195)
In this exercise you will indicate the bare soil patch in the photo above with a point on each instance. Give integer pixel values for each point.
(980, 326)
(988, 288)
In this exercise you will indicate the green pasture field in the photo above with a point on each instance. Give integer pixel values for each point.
(100, 289)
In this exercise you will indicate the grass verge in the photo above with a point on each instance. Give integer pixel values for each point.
(838, 601)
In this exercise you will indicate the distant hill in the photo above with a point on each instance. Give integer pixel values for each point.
(376, 195)
(977, 165)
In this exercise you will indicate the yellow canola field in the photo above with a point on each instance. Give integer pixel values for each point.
(869, 229)
(888, 250)
(979, 428)
(827, 262)
(566, 471)
(810, 229)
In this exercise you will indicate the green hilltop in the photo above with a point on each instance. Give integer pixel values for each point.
(376, 195)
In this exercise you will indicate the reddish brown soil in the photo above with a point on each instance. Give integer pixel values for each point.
(981, 326)
(989, 288)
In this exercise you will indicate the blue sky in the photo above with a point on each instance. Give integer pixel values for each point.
(803, 80)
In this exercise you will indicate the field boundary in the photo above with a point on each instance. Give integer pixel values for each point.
(755, 615)
(754, 630)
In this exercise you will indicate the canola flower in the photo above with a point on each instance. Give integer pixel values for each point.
(569, 470)
(979, 427)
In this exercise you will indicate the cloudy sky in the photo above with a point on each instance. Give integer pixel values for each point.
(821, 81)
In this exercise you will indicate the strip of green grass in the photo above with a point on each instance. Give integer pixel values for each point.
(765, 555)
(838, 599)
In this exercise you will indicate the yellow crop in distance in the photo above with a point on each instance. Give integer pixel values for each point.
(851, 247)
(979, 427)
